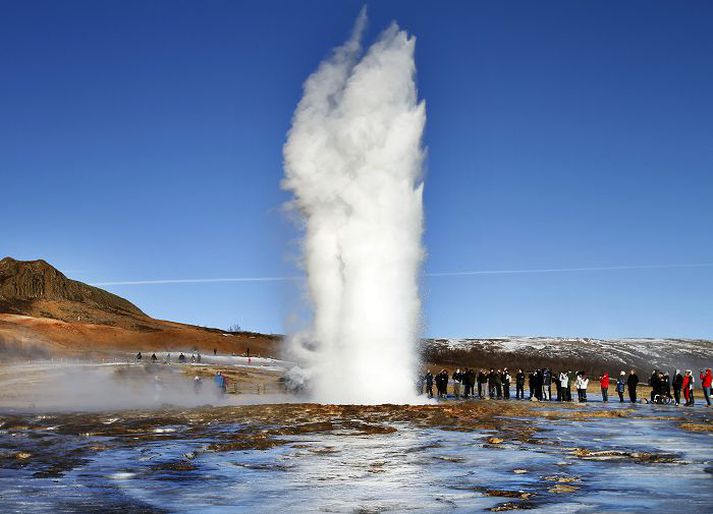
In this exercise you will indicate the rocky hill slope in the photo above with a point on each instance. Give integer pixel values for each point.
(42, 312)
(34, 288)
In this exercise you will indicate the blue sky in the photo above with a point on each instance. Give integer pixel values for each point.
(142, 141)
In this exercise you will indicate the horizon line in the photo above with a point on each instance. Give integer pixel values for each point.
(433, 274)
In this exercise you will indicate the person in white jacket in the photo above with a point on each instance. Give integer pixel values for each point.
(582, 383)
(564, 384)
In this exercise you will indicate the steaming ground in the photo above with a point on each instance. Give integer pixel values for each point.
(125, 384)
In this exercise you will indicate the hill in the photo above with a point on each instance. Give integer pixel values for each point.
(42, 312)
(589, 354)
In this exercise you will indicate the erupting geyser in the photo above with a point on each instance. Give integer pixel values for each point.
(353, 160)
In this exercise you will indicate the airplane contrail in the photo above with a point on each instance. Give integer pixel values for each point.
(434, 274)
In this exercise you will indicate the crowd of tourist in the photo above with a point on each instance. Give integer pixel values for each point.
(546, 385)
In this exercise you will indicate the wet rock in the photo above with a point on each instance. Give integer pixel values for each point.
(503, 507)
(495, 440)
(562, 479)
(641, 457)
(563, 488)
(509, 494)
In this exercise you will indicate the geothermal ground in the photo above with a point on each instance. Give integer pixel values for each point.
(169, 449)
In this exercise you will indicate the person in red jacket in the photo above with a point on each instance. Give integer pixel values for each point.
(687, 388)
(706, 382)
(604, 384)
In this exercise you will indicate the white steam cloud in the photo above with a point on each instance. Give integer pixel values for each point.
(353, 161)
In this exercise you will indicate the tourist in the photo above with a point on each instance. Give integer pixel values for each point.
(582, 384)
(491, 384)
(677, 386)
(139, 356)
(631, 383)
(182, 358)
(655, 384)
(666, 385)
(153, 357)
(604, 385)
(688, 381)
(470, 380)
(457, 379)
(444, 383)
(558, 385)
(482, 383)
(520, 385)
(531, 384)
(572, 382)
(706, 382)
(506, 384)
(429, 383)
(620, 383)
(219, 383)
(538, 384)
(546, 384)
(197, 384)
(467, 389)
(564, 384)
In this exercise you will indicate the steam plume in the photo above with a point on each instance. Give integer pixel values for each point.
(353, 161)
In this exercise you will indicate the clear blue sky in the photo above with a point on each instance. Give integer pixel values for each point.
(142, 140)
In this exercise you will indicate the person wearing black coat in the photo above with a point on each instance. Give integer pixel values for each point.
(520, 385)
(506, 384)
(429, 383)
(482, 381)
(498, 381)
(631, 383)
(677, 385)
(471, 381)
(558, 384)
(538, 384)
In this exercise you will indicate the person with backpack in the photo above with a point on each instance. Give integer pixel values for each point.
(620, 383)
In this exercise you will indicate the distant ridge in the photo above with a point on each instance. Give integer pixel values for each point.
(35, 288)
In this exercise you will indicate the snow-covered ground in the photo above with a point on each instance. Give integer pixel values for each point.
(655, 352)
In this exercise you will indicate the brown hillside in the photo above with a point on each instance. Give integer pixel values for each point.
(34, 288)
(43, 312)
